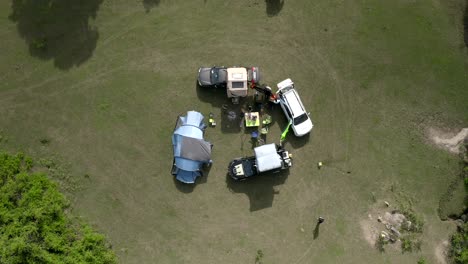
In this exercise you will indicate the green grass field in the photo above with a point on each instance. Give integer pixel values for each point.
(113, 76)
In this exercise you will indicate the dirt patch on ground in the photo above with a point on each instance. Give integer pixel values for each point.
(448, 140)
(369, 231)
(379, 220)
(441, 252)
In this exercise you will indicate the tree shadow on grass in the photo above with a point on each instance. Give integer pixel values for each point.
(273, 7)
(57, 30)
(260, 189)
(149, 4)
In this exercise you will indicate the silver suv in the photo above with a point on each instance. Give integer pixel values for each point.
(293, 109)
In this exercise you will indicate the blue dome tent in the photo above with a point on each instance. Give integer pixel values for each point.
(191, 151)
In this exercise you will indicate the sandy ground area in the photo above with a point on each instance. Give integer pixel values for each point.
(448, 141)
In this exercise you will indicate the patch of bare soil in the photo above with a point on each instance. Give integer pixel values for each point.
(441, 252)
(448, 141)
(369, 231)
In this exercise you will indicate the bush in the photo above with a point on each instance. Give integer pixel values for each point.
(33, 225)
(417, 223)
(259, 257)
(406, 245)
(459, 245)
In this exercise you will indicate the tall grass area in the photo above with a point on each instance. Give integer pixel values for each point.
(99, 99)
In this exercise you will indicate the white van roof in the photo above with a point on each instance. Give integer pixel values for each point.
(237, 78)
(237, 74)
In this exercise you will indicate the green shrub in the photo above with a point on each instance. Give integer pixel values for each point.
(259, 257)
(406, 245)
(459, 245)
(417, 223)
(422, 261)
(33, 225)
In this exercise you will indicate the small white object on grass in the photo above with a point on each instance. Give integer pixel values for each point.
(387, 204)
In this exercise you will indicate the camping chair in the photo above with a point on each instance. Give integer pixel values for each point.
(266, 120)
(265, 125)
(264, 131)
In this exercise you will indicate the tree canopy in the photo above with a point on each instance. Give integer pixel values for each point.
(34, 227)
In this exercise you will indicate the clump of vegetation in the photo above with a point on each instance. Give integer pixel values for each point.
(414, 223)
(466, 178)
(409, 244)
(403, 224)
(458, 250)
(44, 141)
(422, 260)
(380, 243)
(259, 257)
(412, 227)
(406, 245)
(459, 245)
(453, 203)
(34, 227)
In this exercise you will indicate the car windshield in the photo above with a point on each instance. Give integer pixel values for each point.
(214, 75)
(300, 119)
(237, 85)
(285, 89)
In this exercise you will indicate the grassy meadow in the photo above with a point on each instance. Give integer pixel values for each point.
(103, 82)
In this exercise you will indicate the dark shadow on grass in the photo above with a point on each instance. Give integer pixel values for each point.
(57, 30)
(229, 113)
(273, 7)
(149, 4)
(183, 187)
(188, 188)
(465, 24)
(316, 230)
(260, 189)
